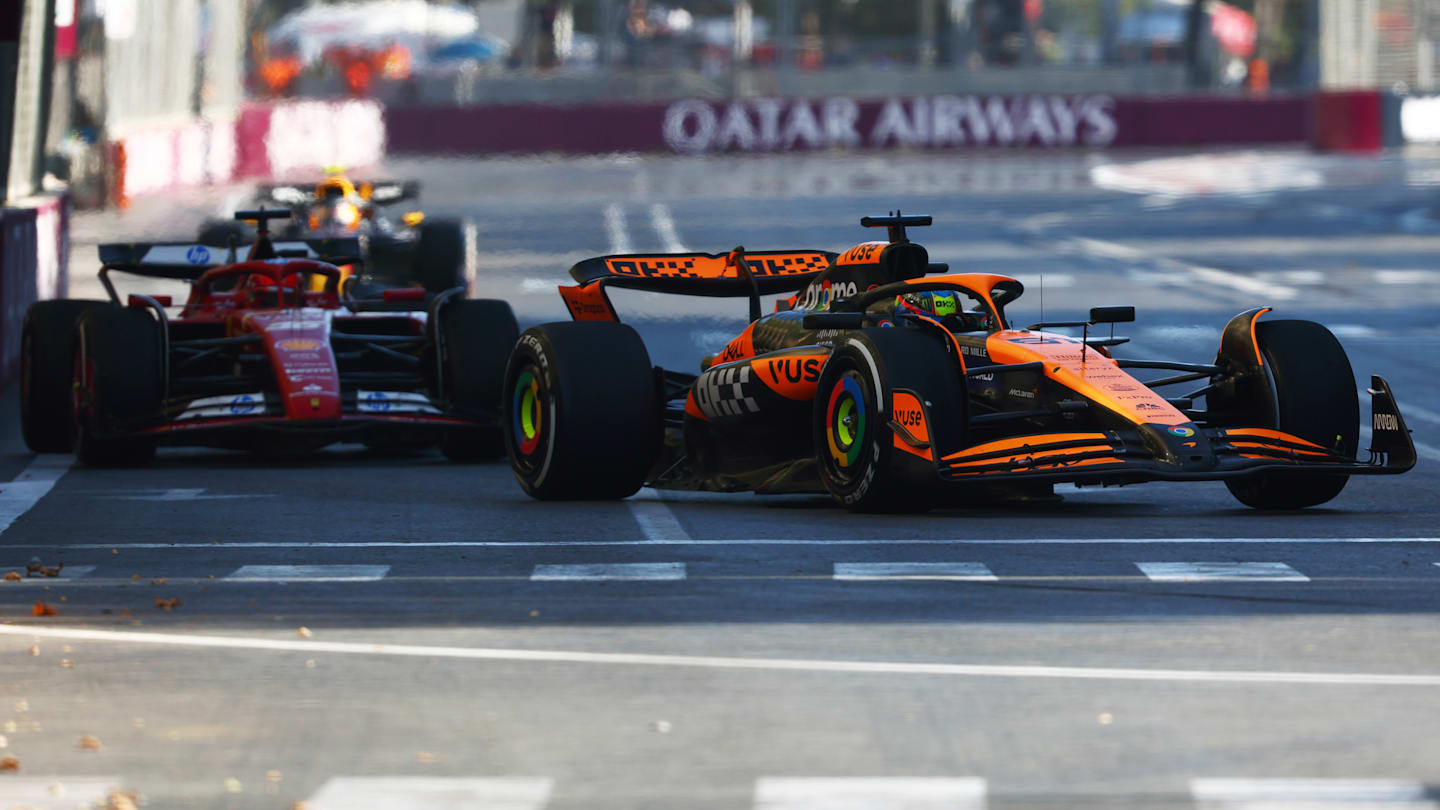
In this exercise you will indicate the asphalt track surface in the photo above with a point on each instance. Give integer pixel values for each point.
(1147, 646)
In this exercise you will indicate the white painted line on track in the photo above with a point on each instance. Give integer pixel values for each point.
(431, 793)
(1220, 572)
(605, 572)
(728, 663)
(655, 518)
(183, 494)
(665, 228)
(1310, 794)
(55, 792)
(869, 793)
(886, 541)
(905, 571)
(32, 484)
(1209, 275)
(308, 573)
(615, 229)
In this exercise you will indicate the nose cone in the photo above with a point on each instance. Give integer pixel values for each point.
(1182, 446)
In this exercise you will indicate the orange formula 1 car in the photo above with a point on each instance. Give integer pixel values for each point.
(891, 383)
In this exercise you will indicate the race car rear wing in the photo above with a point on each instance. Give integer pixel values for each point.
(380, 192)
(187, 261)
(706, 274)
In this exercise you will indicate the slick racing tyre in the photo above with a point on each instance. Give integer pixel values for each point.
(47, 357)
(1314, 388)
(440, 256)
(476, 338)
(118, 386)
(855, 443)
(582, 411)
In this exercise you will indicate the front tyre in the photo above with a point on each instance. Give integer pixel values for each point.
(1314, 389)
(119, 386)
(855, 444)
(582, 411)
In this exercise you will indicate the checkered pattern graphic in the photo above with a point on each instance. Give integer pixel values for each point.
(721, 392)
(709, 267)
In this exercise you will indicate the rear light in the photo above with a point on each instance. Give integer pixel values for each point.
(140, 303)
(410, 294)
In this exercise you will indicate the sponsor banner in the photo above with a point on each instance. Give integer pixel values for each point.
(697, 127)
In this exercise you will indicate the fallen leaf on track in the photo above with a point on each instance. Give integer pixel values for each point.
(34, 650)
(10, 764)
(89, 743)
(304, 632)
(158, 581)
(122, 801)
(13, 576)
(43, 609)
(167, 604)
(66, 663)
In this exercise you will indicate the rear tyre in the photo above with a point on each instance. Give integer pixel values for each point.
(440, 255)
(47, 358)
(855, 450)
(1314, 389)
(475, 338)
(582, 411)
(118, 386)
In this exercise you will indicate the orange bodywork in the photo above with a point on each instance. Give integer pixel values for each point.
(587, 302)
(793, 376)
(863, 253)
(905, 410)
(715, 267)
(1021, 442)
(1095, 377)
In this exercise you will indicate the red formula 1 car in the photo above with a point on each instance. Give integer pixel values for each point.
(892, 383)
(257, 359)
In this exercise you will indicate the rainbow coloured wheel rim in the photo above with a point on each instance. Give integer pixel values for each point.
(527, 409)
(845, 420)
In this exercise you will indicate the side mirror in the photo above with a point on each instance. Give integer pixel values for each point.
(1112, 314)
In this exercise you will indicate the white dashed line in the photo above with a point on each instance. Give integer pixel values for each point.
(1406, 276)
(952, 571)
(869, 793)
(430, 793)
(655, 518)
(55, 792)
(1209, 275)
(605, 572)
(1300, 794)
(308, 573)
(1220, 572)
(34, 482)
(890, 668)
(665, 229)
(615, 229)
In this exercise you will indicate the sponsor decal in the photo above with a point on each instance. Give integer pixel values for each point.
(1022, 394)
(694, 126)
(820, 295)
(245, 404)
(723, 392)
(197, 254)
(533, 344)
(375, 401)
(1147, 406)
(312, 387)
(862, 254)
(1181, 431)
(298, 345)
(795, 370)
(1386, 421)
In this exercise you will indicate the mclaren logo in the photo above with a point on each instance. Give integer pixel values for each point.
(722, 392)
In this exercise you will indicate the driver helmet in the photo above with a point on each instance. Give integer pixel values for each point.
(937, 302)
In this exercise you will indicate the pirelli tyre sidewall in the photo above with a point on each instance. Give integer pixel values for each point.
(854, 442)
(581, 411)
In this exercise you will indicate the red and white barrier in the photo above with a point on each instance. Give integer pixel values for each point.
(260, 141)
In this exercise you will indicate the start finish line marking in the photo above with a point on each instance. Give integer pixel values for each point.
(730, 663)
(1055, 541)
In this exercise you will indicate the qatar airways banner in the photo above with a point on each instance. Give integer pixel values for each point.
(697, 127)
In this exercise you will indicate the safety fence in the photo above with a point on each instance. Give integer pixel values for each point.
(34, 257)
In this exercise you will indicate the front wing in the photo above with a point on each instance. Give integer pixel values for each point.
(1123, 456)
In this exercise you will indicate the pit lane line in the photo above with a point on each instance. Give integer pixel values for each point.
(715, 662)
